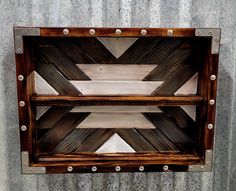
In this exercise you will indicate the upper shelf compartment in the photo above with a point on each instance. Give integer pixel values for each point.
(110, 66)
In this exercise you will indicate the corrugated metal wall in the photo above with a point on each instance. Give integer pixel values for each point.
(120, 13)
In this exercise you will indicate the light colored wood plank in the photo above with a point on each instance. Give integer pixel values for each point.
(190, 110)
(40, 110)
(116, 87)
(115, 144)
(116, 71)
(117, 46)
(42, 87)
(116, 120)
(116, 109)
(190, 87)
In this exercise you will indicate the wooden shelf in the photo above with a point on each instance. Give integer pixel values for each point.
(116, 100)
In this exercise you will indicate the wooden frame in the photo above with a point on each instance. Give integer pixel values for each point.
(207, 51)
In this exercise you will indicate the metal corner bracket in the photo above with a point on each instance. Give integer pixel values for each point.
(19, 32)
(211, 32)
(26, 169)
(207, 167)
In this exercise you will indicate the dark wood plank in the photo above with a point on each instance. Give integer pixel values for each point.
(96, 50)
(158, 140)
(63, 64)
(95, 140)
(175, 81)
(170, 130)
(135, 140)
(51, 116)
(73, 141)
(166, 68)
(59, 131)
(117, 100)
(56, 79)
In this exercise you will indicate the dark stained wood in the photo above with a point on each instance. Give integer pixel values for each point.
(135, 140)
(56, 80)
(73, 141)
(158, 140)
(117, 100)
(51, 116)
(60, 130)
(95, 140)
(165, 69)
(63, 64)
(175, 81)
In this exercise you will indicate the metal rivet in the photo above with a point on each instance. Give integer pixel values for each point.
(94, 168)
(210, 32)
(43, 169)
(65, 31)
(215, 51)
(69, 168)
(117, 168)
(118, 31)
(165, 167)
(202, 167)
(216, 39)
(19, 50)
(199, 32)
(208, 162)
(22, 103)
(191, 168)
(20, 78)
(92, 32)
(141, 168)
(143, 32)
(37, 31)
(212, 102)
(213, 77)
(170, 32)
(209, 126)
(24, 31)
(18, 37)
(23, 128)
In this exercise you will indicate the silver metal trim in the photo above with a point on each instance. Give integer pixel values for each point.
(212, 32)
(206, 167)
(26, 169)
(19, 32)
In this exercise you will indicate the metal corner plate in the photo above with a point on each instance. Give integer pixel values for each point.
(18, 35)
(26, 169)
(214, 33)
(207, 167)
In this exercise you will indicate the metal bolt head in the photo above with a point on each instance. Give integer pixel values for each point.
(18, 37)
(117, 168)
(165, 167)
(69, 168)
(213, 77)
(141, 168)
(20, 78)
(215, 51)
(143, 32)
(23, 128)
(66, 31)
(210, 32)
(212, 102)
(210, 126)
(118, 31)
(19, 50)
(94, 168)
(199, 32)
(170, 32)
(21, 103)
(92, 32)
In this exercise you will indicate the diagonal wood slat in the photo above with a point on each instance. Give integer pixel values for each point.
(135, 140)
(175, 81)
(56, 79)
(63, 64)
(95, 140)
(60, 130)
(73, 141)
(158, 140)
(96, 50)
(169, 129)
(165, 69)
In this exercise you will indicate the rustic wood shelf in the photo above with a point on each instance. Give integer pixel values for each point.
(116, 99)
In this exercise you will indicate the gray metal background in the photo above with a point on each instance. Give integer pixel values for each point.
(120, 13)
